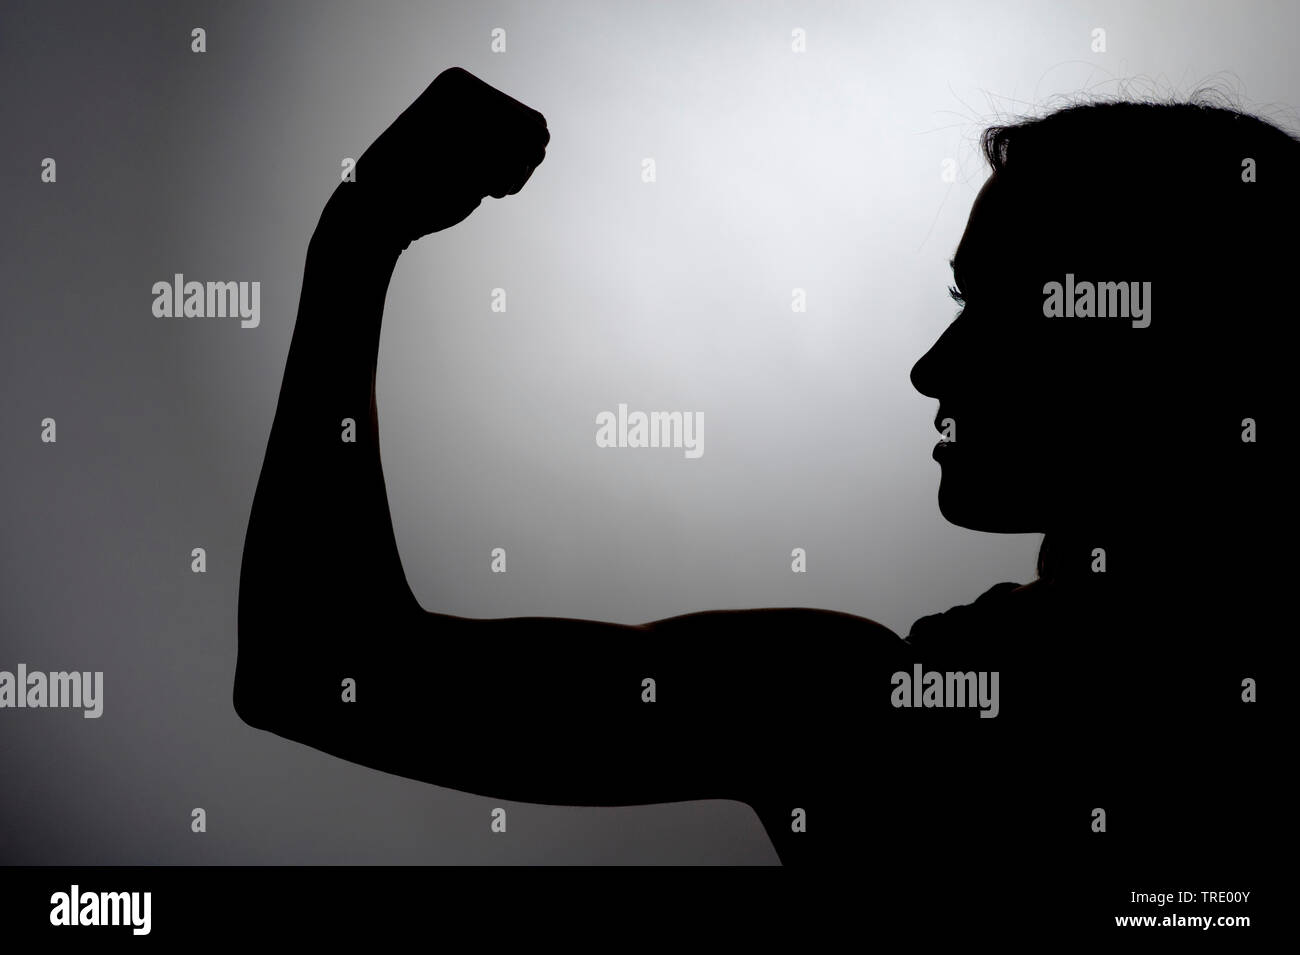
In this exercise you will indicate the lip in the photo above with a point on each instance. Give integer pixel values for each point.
(942, 449)
(939, 418)
(942, 415)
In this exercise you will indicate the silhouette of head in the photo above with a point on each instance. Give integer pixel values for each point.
(1115, 397)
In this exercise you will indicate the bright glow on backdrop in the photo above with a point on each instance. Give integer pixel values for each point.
(775, 170)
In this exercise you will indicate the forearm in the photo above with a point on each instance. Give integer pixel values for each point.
(335, 344)
(320, 540)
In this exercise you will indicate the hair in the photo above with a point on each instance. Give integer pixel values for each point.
(1215, 129)
(1182, 164)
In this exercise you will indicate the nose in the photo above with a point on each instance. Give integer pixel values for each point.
(930, 370)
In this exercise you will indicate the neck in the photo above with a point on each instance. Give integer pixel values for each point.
(1149, 554)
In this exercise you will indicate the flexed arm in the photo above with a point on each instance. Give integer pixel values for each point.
(535, 709)
(320, 523)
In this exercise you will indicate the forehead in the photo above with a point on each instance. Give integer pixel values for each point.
(1020, 230)
(986, 227)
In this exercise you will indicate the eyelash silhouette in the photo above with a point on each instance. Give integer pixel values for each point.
(956, 294)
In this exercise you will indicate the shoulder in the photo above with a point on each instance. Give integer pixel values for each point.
(968, 620)
(774, 621)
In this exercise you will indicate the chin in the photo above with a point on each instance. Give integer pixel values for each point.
(981, 509)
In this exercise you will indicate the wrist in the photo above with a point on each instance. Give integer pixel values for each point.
(350, 218)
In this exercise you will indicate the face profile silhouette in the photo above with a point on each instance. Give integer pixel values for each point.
(1116, 275)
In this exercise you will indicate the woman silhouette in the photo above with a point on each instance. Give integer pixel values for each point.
(1121, 442)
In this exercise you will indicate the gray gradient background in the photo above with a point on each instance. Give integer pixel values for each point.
(776, 170)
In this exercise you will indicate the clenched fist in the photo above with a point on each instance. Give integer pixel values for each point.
(460, 141)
